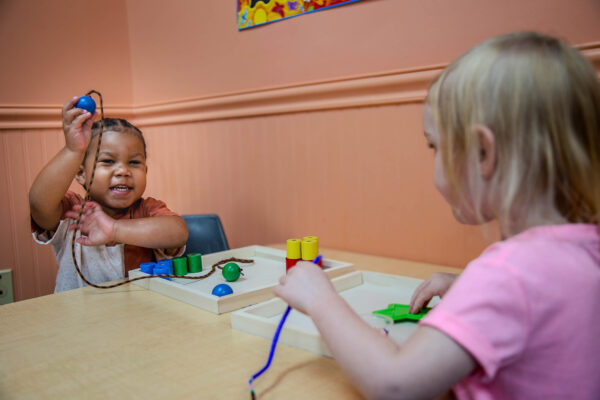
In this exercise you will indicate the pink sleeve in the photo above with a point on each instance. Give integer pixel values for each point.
(486, 313)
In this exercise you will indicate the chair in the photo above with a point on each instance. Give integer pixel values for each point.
(206, 234)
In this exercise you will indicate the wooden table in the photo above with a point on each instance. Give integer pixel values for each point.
(129, 342)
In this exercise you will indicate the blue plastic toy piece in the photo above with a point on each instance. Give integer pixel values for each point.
(222, 289)
(164, 267)
(168, 263)
(147, 268)
(86, 103)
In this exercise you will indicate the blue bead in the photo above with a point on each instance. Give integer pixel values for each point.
(222, 290)
(166, 263)
(86, 103)
(147, 267)
(162, 269)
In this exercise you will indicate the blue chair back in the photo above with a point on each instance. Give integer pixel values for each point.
(206, 234)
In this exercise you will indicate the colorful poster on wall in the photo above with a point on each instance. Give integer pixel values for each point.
(252, 13)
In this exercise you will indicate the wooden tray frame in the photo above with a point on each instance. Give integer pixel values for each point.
(258, 319)
(235, 301)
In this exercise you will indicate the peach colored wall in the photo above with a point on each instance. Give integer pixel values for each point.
(53, 50)
(191, 48)
(360, 179)
(263, 127)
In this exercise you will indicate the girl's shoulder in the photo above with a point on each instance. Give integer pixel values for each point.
(547, 241)
(544, 258)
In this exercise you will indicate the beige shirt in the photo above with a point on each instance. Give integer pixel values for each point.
(97, 263)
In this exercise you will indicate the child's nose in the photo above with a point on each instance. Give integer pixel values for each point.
(122, 169)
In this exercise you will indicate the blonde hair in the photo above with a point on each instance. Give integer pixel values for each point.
(541, 99)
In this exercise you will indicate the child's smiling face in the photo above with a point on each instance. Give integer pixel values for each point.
(120, 176)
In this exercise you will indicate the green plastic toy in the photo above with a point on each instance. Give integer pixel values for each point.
(231, 272)
(399, 312)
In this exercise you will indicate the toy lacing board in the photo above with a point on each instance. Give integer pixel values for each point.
(254, 286)
(364, 291)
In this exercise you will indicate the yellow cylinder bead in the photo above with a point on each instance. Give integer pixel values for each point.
(315, 238)
(294, 249)
(310, 249)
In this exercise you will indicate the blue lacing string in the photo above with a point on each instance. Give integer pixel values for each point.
(274, 343)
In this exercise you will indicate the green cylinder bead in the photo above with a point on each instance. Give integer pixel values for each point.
(231, 272)
(180, 267)
(195, 262)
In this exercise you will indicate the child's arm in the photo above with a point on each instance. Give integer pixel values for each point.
(54, 179)
(437, 285)
(427, 365)
(158, 232)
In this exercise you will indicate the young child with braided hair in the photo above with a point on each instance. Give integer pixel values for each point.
(515, 128)
(118, 229)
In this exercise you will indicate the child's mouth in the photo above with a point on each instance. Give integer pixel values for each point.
(121, 189)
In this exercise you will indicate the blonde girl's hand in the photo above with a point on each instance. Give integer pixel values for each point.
(77, 126)
(304, 287)
(96, 227)
(437, 285)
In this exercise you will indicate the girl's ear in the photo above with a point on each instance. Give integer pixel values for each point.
(81, 177)
(487, 151)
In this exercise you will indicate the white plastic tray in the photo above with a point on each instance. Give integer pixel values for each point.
(254, 287)
(364, 291)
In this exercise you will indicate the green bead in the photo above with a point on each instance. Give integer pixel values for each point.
(195, 262)
(180, 267)
(231, 272)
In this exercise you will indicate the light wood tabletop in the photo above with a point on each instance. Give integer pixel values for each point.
(129, 342)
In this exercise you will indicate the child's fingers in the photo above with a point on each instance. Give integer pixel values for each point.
(420, 301)
(88, 123)
(84, 241)
(418, 290)
(72, 214)
(80, 119)
(91, 206)
(70, 104)
(277, 289)
(69, 116)
(280, 292)
(420, 297)
(77, 207)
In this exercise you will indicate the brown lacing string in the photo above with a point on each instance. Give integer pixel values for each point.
(88, 198)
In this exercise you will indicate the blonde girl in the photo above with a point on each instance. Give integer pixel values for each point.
(515, 128)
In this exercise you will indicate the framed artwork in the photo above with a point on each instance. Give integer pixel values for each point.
(253, 13)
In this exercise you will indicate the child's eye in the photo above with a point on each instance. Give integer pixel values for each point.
(106, 161)
(135, 162)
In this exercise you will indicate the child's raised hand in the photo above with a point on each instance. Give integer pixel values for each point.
(96, 226)
(304, 286)
(437, 285)
(77, 126)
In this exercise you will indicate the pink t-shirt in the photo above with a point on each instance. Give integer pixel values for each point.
(528, 311)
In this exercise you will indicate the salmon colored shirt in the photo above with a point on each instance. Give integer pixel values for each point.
(148, 207)
(113, 265)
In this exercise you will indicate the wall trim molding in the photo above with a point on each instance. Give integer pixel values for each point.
(396, 87)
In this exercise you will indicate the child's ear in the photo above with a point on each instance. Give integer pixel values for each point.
(81, 177)
(487, 151)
